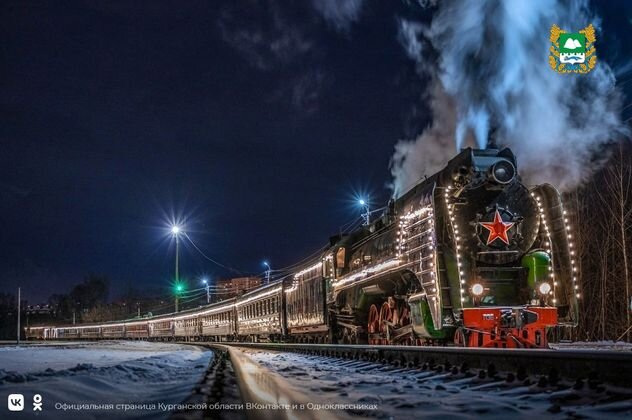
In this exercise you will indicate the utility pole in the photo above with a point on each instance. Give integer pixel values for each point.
(208, 290)
(176, 230)
(366, 216)
(19, 310)
(267, 272)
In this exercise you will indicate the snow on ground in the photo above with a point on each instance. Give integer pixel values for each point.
(593, 345)
(107, 372)
(405, 393)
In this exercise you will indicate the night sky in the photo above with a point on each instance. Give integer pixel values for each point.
(255, 124)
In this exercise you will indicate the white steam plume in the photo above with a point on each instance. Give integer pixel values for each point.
(493, 66)
(340, 13)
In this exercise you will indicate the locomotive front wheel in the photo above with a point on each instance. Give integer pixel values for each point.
(460, 337)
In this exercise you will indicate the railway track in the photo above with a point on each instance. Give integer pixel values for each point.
(613, 367)
(333, 381)
(235, 387)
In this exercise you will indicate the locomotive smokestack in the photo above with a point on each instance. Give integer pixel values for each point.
(491, 139)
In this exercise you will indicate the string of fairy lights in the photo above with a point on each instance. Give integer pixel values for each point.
(457, 246)
(421, 220)
(548, 249)
(547, 245)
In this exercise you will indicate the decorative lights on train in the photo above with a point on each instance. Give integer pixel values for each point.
(457, 237)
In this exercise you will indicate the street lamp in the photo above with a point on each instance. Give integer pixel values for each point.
(208, 290)
(267, 272)
(366, 216)
(175, 230)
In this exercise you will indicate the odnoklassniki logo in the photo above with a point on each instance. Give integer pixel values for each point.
(572, 52)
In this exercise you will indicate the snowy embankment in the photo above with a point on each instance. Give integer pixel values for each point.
(593, 345)
(414, 393)
(82, 380)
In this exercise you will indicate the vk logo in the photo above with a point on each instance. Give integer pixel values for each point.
(16, 402)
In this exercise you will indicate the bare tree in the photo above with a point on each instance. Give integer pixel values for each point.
(602, 212)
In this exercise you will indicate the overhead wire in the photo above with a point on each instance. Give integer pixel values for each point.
(211, 259)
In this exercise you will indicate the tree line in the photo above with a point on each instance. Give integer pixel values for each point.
(601, 210)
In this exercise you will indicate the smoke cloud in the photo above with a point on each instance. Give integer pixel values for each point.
(340, 13)
(487, 63)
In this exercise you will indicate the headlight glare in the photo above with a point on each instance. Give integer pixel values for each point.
(477, 289)
(544, 288)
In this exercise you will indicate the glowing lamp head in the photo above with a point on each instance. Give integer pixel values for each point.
(179, 288)
(544, 288)
(361, 202)
(175, 229)
(477, 289)
(205, 281)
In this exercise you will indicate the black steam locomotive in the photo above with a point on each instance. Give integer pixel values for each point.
(469, 256)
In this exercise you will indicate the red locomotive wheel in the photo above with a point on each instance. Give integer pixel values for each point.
(386, 315)
(373, 326)
(405, 318)
(459, 337)
(374, 320)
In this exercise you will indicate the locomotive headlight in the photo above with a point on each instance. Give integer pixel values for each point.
(477, 289)
(544, 288)
(503, 172)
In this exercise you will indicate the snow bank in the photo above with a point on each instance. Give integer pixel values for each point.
(100, 373)
(593, 345)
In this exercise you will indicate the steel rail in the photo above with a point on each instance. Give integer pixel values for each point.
(613, 367)
(260, 388)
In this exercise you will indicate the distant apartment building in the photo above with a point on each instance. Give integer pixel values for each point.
(228, 288)
(42, 309)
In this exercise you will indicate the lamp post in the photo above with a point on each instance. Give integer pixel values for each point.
(267, 272)
(208, 290)
(175, 230)
(19, 311)
(366, 216)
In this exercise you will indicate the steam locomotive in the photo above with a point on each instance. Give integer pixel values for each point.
(469, 256)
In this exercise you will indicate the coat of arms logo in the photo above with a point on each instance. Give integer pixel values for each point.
(572, 52)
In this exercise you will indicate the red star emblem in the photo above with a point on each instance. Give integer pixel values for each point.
(497, 229)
